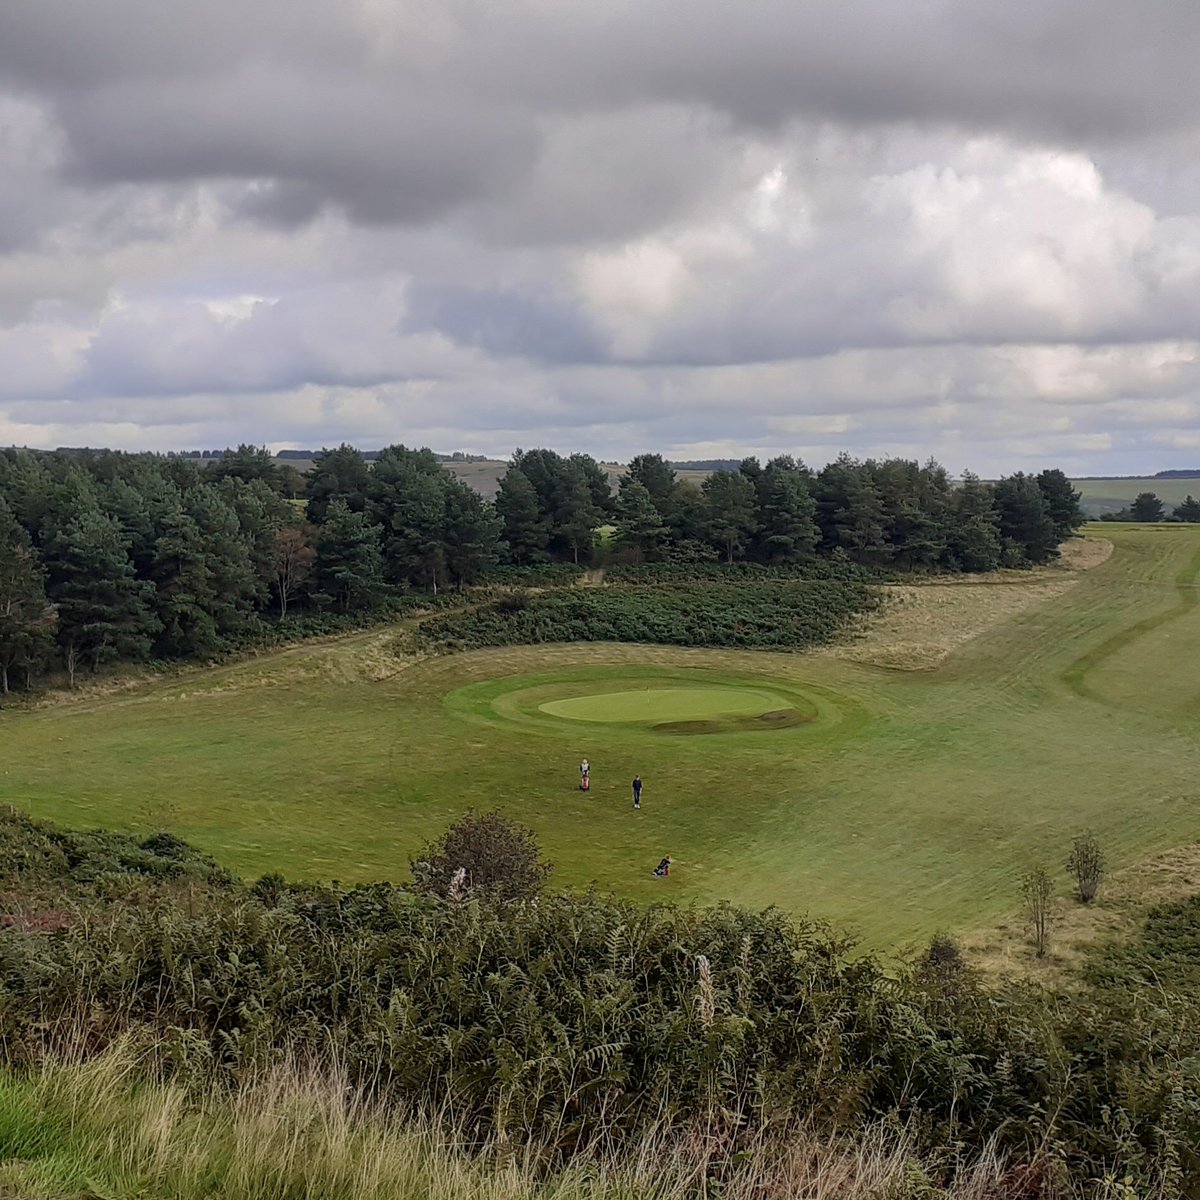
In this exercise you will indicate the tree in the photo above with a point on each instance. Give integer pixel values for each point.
(103, 609)
(348, 563)
(1188, 511)
(657, 476)
(471, 531)
(1025, 520)
(340, 474)
(487, 853)
(639, 525)
(246, 463)
(973, 537)
(236, 585)
(787, 526)
(1086, 864)
(1037, 890)
(576, 516)
(1062, 502)
(1146, 507)
(292, 558)
(523, 527)
(596, 478)
(26, 619)
(184, 597)
(729, 510)
(849, 510)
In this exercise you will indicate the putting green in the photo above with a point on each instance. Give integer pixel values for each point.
(655, 705)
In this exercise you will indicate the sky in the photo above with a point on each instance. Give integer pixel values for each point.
(953, 228)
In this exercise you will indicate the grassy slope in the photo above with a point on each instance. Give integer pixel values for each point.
(1111, 495)
(912, 803)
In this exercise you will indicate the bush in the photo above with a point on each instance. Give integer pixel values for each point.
(837, 569)
(1086, 864)
(770, 615)
(482, 852)
(1037, 890)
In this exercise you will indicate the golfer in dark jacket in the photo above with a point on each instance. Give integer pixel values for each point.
(637, 791)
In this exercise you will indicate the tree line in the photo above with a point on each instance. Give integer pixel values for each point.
(108, 556)
(1147, 506)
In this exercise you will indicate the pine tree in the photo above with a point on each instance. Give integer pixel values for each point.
(1025, 522)
(349, 564)
(26, 620)
(729, 510)
(973, 542)
(1146, 507)
(471, 532)
(639, 525)
(1062, 502)
(1188, 511)
(657, 476)
(103, 609)
(787, 527)
(236, 586)
(340, 474)
(523, 526)
(849, 511)
(575, 516)
(184, 596)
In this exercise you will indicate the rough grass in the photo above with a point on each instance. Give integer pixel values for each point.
(910, 802)
(1117, 914)
(101, 1129)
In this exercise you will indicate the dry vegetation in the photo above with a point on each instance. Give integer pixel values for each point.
(301, 1131)
(1006, 952)
(924, 624)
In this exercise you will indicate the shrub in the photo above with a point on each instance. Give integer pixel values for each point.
(1037, 890)
(943, 960)
(482, 852)
(1086, 864)
(772, 615)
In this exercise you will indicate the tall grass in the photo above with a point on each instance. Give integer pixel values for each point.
(106, 1127)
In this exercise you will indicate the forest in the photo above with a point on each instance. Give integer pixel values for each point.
(108, 557)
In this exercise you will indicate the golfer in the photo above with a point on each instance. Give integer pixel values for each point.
(637, 791)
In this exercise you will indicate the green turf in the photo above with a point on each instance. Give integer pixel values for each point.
(651, 706)
(896, 803)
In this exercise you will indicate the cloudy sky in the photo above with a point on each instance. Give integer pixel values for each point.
(952, 227)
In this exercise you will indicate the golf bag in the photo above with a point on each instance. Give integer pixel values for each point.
(663, 868)
(584, 783)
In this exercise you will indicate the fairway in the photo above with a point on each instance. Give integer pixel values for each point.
(894, 802)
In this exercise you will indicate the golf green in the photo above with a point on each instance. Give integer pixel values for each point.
(654, 705)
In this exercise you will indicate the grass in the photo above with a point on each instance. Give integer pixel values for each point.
(653, 705)
(105, 1129)
(905, 801)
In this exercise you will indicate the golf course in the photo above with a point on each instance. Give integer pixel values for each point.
(896, 784)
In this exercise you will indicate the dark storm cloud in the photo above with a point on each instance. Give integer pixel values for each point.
(407, 111)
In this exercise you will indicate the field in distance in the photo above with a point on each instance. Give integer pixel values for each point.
(1100, 496)
(892, 801)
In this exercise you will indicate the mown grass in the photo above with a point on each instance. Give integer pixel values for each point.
(911, 803)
